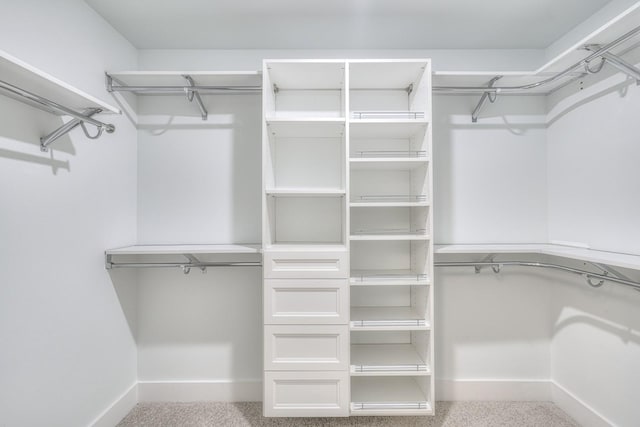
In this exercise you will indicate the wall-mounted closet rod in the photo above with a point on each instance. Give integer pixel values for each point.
(53, 107)
(186, 267)
(496, 266)
(191, 87)
(599, 53)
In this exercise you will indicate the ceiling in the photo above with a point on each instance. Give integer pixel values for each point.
(344, 24)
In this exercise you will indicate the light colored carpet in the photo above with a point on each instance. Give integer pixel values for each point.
(249, 414)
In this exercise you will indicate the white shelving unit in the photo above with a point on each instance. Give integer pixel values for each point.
(390, 237)
(305, 239)
(347, 223)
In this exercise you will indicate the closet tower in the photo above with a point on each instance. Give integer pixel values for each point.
(347, 224)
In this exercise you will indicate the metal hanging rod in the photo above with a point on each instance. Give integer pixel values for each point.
(582, 67)
(192, 90)
(188, 88)
(496, 266)
(599, 53)
(80, 118)
(186, 267)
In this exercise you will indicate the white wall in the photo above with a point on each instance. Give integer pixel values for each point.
(251, 59)
(67, 347)
(594, 182)
(199, 182)
(595, 349)
(594, 179)
(490, 176)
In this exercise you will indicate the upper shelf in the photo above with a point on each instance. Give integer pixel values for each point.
(29, 78)
(612, 259)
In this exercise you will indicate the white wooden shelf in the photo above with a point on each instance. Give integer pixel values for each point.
(387, 360)
(612, 259)
(389, 204)
(184, 256)
(397, 163)
(305, 247)
(305, 192)
(387, 277)
(390, 236)
(387, 319)
(185, 249)
(388, 396)
(20, 74)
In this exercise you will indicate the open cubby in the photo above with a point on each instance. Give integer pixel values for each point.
(390, 353)
(390, 185)
(305, 155)
(304, 89)
(391, 395)
(389, 220)
(389, 87)
(305, 220)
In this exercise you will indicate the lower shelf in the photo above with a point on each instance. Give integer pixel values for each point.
(387, 360)
(388, 396)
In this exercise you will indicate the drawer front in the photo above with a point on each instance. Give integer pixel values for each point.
(306, 394)
(306, 347)
(306, 265)
(305, 301)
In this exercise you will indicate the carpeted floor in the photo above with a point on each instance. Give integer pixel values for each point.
(249, 414)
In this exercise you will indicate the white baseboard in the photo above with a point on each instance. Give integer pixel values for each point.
(576, 408)
(522, 390)
(192, 391)
(118, 409)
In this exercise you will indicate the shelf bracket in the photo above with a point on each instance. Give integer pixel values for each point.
(194, 94)
(108, 263)
(47, 140)
(490, 95)
(614, 60)
(195, 262)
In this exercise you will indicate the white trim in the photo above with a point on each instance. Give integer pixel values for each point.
(502, 390)
(118, 409)
(576, 408)
(192, 391)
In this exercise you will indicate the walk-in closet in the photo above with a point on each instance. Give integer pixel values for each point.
(345, 213)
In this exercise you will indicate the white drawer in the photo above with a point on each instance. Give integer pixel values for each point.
(306, 347)
(305, 301)
(306, 265)
(306, 394)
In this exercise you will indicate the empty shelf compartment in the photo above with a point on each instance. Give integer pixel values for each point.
(389, 396)
(387, 319)
(387, 359)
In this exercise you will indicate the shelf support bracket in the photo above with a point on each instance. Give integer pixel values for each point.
(195, 262)
(194, 94)
(614, 60)
(108, 263)
(47, 140)
(490, 95)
